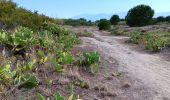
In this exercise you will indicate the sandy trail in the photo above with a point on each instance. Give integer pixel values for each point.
(150, 69)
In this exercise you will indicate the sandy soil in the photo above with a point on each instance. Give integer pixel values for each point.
(149, 70)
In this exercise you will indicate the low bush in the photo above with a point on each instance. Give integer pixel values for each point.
(115, 31)
(152, 41)
(85, 33)
(47, 50)
(104, 24)
(90, 60)
(12, 16)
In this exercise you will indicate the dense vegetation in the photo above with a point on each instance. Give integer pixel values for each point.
(78, 22)
(104, 24)
(12, 16)
(140, 15)
(163, 19)
(114, 19)
(20, 73)
(35, 50)
(152, 41)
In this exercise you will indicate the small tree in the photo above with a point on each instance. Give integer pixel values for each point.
(114, 19)
(104, 24)
(140, 15)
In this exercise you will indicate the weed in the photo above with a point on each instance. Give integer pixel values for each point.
(90, 59)
(152, 41)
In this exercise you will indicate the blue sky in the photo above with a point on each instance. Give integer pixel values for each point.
(71, 8)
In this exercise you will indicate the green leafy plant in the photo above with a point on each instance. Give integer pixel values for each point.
(81, 84)
(6, 74)
(152, 41)
(29, 65)
(57, 96)
(57, 66)
(156, 43)
(42, 57)
(115, 31)
(65, 58)
(28, 81)
(90, 59)
(48, 81)
(40, 97)
(136, 37)
(104, 24)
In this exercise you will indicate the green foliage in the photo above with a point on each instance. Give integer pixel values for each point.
(62, 59)
(140, 15)
(57, 96)
(88, 58)
(6, 74)
(40, 97)
(115, 31)
(55, 29)
(167, 19)
(65, 58)
(21, 37)
(81, 84)
(28, 81)
(114, 19)
(156, 43)
(29, 65)
(160, 19)
(24, 37)
(48, 81)
(136, 37)
(91, 60)
(152, 41)
(85, 33)
(42, 57)
(13, 16)
(39, 45)
(104, 24)
(78, 22)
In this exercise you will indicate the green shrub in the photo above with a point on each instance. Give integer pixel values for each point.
(140, 15)
(28, 81)
(155, 42)
(78, 22)
(136, 37)
(85, 33)
(21, 37)
(114, 19)
(115, 31)
(104, 24)
(91, 60)
(11, 16)
(152, 41)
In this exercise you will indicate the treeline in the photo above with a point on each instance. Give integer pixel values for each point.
(11, 16)
(163, 19)
(78, 22)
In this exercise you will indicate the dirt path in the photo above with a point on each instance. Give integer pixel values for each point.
(150, 69)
